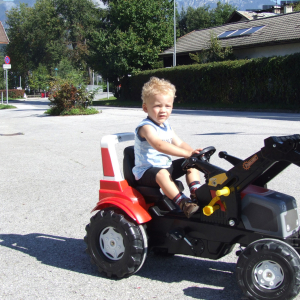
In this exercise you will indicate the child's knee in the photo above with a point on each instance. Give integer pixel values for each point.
(192, 171)
(162, 175)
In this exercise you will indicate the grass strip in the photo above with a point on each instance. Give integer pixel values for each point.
(6, 106)
(72, 112)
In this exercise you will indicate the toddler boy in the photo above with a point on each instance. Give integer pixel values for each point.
(156, 141)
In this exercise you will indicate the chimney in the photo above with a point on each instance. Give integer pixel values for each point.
(287, 9)
(276, 9)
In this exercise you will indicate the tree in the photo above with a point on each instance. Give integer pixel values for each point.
(221, 13)
(130, 37)
(214, 52)
(198, 18)
(2, 81)
(36, 36)
(48, 32)
(203, 17)
(296, 7)
(79, 18)
(66, 71)
(181, 22)
(39, 78)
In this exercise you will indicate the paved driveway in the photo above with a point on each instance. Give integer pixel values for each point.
(50, 170)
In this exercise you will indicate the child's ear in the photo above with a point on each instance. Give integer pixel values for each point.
(144, 106)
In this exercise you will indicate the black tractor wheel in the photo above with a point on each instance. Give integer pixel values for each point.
(116, 245)
(269, 269)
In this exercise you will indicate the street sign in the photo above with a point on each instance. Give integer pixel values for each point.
(6, 66)
(7, 60)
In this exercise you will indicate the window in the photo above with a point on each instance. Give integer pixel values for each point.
(239, 32)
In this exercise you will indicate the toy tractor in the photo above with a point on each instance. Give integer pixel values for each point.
(235, 208)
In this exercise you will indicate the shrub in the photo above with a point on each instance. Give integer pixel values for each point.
(272, 82)
(13, 94)
(64, 96)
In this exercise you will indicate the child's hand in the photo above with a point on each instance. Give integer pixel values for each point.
(196, 151)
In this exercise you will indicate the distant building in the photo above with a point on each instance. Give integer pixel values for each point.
(3, 37)
(275, 35)
(241, 16)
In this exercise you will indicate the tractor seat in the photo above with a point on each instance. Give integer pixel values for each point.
(150, 194)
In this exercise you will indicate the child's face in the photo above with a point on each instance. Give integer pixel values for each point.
(159, 107)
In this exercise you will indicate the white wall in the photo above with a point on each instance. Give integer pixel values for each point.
(278, 50)
(93, 87)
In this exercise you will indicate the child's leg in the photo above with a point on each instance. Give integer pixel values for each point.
(192, 175)
(165, 181)
(193, 181)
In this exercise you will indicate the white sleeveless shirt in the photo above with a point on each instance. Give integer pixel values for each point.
(146, 156)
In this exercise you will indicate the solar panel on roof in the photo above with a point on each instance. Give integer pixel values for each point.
(225, 34)
(252, 30)
(239, 32)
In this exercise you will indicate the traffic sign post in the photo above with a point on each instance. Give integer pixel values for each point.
(6, 67)
(7, 60)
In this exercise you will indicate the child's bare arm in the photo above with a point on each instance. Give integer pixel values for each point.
(181, 144)
(150, 134)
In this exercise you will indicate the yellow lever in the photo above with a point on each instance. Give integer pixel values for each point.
(225, 191)
(211, 207)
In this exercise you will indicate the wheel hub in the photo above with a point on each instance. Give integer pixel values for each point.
(111, 243)
(268, 274)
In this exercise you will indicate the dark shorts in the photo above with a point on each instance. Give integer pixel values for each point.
(175, 170)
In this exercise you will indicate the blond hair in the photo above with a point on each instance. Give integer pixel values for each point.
(157, 86)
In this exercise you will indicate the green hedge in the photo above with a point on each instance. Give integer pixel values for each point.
(13, 94)
(270, 81)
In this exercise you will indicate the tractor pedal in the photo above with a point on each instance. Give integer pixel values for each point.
(155, 211)
(176, 234)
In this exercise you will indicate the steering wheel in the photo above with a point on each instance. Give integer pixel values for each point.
(203, 155)
(206, 153)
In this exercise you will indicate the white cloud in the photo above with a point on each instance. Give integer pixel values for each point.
(9, 5)
(99, 2)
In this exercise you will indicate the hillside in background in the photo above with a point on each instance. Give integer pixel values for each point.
(240, 4)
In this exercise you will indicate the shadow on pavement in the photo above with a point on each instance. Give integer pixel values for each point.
(69, 254)
(218, 277)
(56, 251)
(30, 102)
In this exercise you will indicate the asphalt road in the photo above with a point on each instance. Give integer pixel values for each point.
(50, 170)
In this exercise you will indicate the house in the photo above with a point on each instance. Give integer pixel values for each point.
(266, 11)
(262, 37)
(3, 37)
(240, 16)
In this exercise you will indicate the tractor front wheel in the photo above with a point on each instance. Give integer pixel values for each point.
(269, 269)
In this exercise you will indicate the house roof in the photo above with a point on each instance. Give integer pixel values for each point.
(278, 29)
(3, 37)
(239, 15)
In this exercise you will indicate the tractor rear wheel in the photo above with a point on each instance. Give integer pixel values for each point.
(117, 246)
